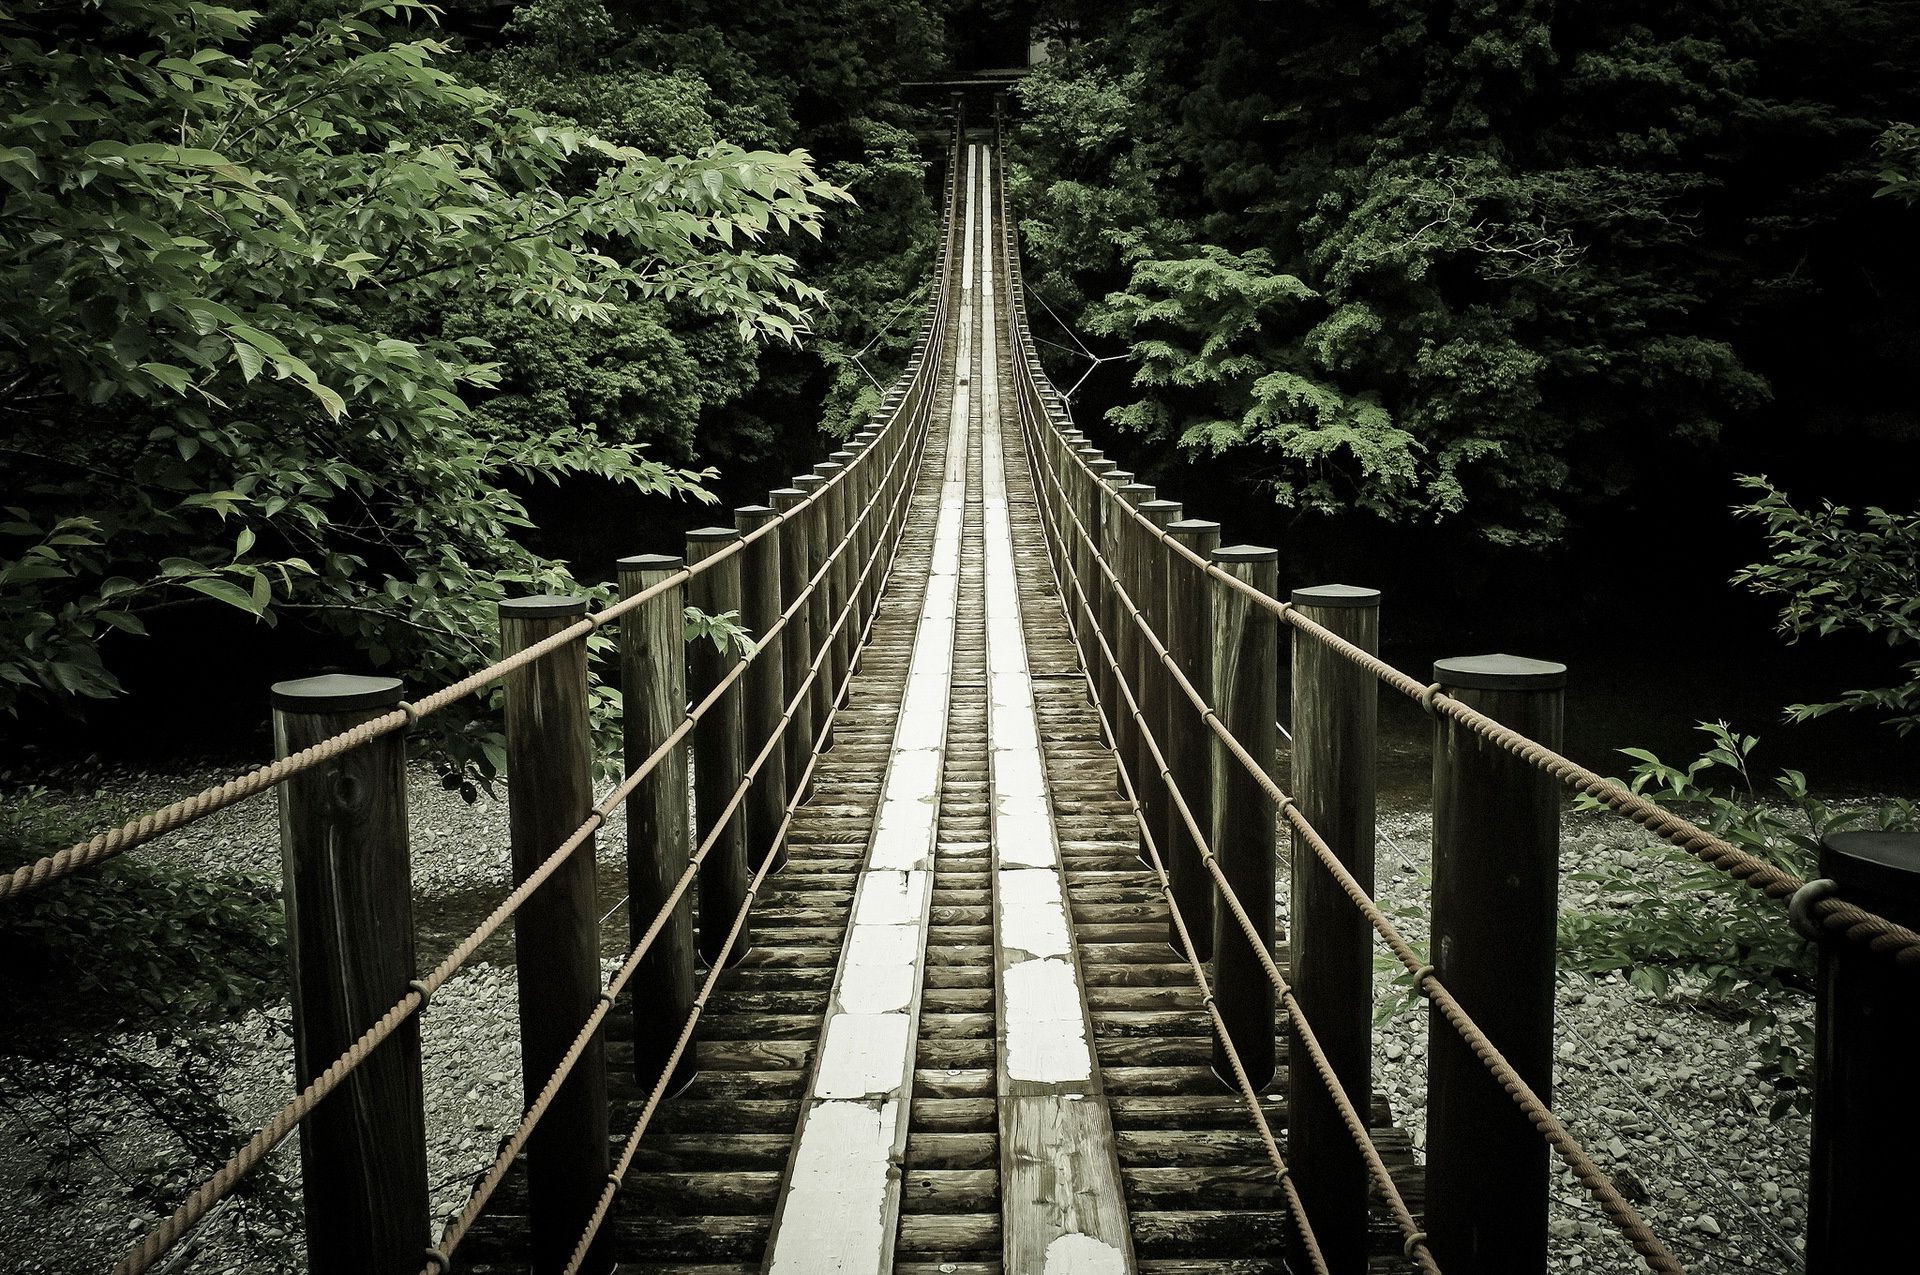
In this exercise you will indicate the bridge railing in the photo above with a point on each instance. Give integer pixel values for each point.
(1180, 640)
(805, 573)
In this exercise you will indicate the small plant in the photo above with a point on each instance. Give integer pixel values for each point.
(1678, 928)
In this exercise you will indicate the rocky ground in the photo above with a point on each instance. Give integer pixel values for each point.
(1661, 1094)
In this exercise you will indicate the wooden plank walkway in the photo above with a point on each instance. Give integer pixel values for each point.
(1041, 1100)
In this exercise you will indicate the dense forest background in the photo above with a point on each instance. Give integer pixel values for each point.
(325, 327)
(1493, 305)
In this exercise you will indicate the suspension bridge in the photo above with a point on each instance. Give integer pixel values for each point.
(962, 954)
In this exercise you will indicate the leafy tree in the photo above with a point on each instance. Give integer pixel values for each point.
(1550, 253)
(251, 290)
(1836, 571)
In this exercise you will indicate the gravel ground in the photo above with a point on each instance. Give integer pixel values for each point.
(1662, 1097)
(1660, 1094)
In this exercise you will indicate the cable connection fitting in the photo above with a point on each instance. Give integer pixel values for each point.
(426, 993)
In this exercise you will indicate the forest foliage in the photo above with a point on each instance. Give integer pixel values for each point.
(1491, 266)
(298, 306)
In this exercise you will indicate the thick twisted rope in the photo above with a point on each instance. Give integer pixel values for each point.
(457, 1229)
(194, 1208)
(176, 815)
(1413, 1237)
(1597, 1183)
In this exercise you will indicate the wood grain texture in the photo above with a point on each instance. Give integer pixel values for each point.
(1335, 781)
(556, 932)
(1245, 658)
(718, 745)
(348, 897)
(764, 687)
(659, 839)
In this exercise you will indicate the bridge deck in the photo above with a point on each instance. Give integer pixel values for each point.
(1007, 1068)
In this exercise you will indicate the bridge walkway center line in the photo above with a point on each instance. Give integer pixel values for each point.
(839, 1207)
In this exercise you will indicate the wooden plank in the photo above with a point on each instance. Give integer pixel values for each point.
(1062, 1207)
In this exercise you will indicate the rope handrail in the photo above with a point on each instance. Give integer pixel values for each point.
(1848, 920)
(1568, 1148)
(1356, 1126)
(144, 828)
(250, 1155)
(457, 1229)
(1612, 1203)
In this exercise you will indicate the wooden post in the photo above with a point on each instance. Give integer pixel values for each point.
(1150, 595)
(653, 680)
(556, 933)
(1104, 608)
(819, 607)
(796, 568)
(833, 501)
(349, 893)
(764, 686)
(1866, 1041)
(1496, 868)
(871, 465)
(1246, 652)
(852, 526)
(1335, 785)
(1128, 554)
(1189, 740)
(717, 746)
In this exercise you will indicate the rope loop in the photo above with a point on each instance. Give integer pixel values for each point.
(426, 993)
(413, 713)
(440, 1262)
(1414, 1240)
(1800, 907)
(1420, 977)
(1426, 700)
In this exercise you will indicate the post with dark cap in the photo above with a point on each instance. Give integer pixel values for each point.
(717, 747)
(819, 607)
(1189, 741)
(1866, 1041)
(1335, 784)
(795, 651)
(556, 933)
(1246, 650)
(764, 686)
(349, 892)
(653, 680)
(1496, 878)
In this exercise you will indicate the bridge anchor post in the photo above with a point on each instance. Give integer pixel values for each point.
(1335, 784)
(1866, 1047)
(349, 903)
(811, 527)
(1496, 880)
(556, 934)
(1246, 655)
(653, 681)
